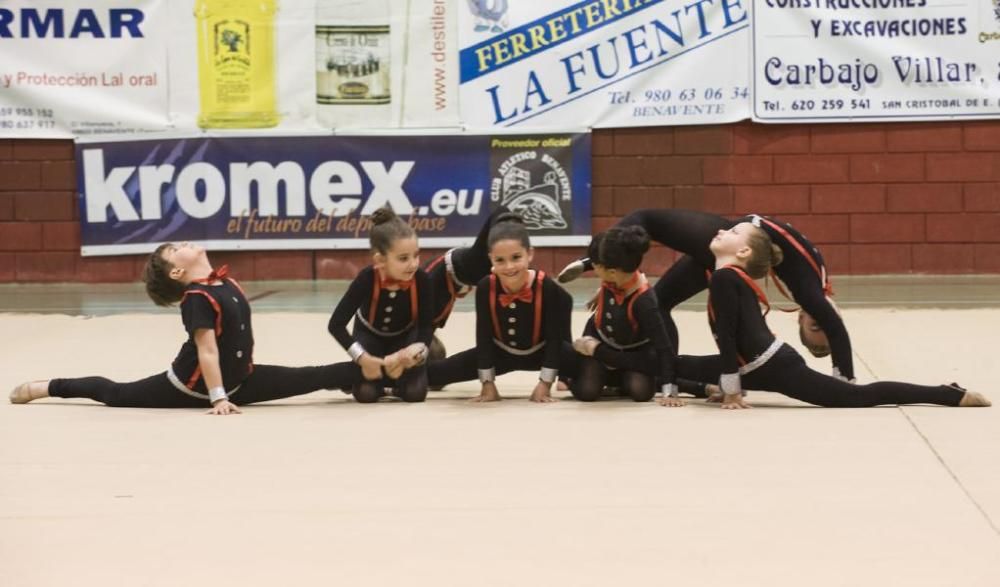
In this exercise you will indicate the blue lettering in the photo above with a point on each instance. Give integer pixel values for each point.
(701, 16)
(498, 117)
(595, 53)
(51, 23)
(534, 89)
(6, 17)
(86, 22)
(662, 29)
(634, 45)
(30, 19)
(571, 71)
(130, 19)
(727, 6)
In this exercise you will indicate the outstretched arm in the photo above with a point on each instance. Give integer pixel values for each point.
(211, 372)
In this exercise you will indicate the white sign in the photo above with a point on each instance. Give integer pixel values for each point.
(603, 63)
(81, 69)
(284, 66)
(840, 60)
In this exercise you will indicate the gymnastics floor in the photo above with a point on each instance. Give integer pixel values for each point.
(319, 490)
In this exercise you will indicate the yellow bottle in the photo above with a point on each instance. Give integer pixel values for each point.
(236, 63)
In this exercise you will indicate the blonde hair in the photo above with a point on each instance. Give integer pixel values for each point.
(764, 254)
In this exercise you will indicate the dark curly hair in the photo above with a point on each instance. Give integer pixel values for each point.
(160, 287)
(623, 248)
(594, 248)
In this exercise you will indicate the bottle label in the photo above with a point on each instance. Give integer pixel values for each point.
(232, 61)
(352, 65)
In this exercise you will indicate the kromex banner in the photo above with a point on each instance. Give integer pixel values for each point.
(317, 192)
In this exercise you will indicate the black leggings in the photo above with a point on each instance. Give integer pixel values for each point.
(594, 375)
(411, 385)
(267, 382)
(684, 279)
(464, 366)
(787, 373)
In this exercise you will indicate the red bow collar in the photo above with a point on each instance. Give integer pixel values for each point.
(620, 293)
(525, 294)
(219, 274)
(386, 282)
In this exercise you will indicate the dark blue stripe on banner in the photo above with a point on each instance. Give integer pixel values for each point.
(615, 81)
(544, 33)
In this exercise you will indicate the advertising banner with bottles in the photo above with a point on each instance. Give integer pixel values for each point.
(116, 67)
(317, 192)
(112, 67)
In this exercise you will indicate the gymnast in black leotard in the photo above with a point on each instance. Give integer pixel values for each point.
(822, 329)
(751, 357)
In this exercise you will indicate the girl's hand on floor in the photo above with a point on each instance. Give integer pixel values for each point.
(734, 401)
(672, 402)
(541, 393)
(489, 393)
(224, 407)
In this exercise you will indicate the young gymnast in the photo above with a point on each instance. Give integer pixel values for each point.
(751, 357)
(625, 342)
(822, 329)
(390, 302)
(522, 322)
(215, 365)
(454, 274)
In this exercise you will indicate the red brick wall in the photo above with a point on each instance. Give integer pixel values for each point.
(877, 198)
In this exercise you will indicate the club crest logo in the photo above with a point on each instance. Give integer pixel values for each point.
(535, 186)
(490, 15)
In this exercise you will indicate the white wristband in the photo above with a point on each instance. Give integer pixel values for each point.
(730, 383)
(356, 350)
(217, 393)
(487, 375)
(669, 390)
(548, 374)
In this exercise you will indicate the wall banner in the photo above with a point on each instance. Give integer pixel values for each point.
(71, 69)
(871, 60)
(316, 192)
(603, 63)
(100, 67)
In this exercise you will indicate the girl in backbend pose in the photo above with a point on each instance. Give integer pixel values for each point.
(751, 357)
(625, 342)
(390, 302)
(215, 365)
(821, 328)
(522, 322)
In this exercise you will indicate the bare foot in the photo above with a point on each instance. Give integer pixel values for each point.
(405, 358)
(972, 399)
(585, 345)
(30, 391)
